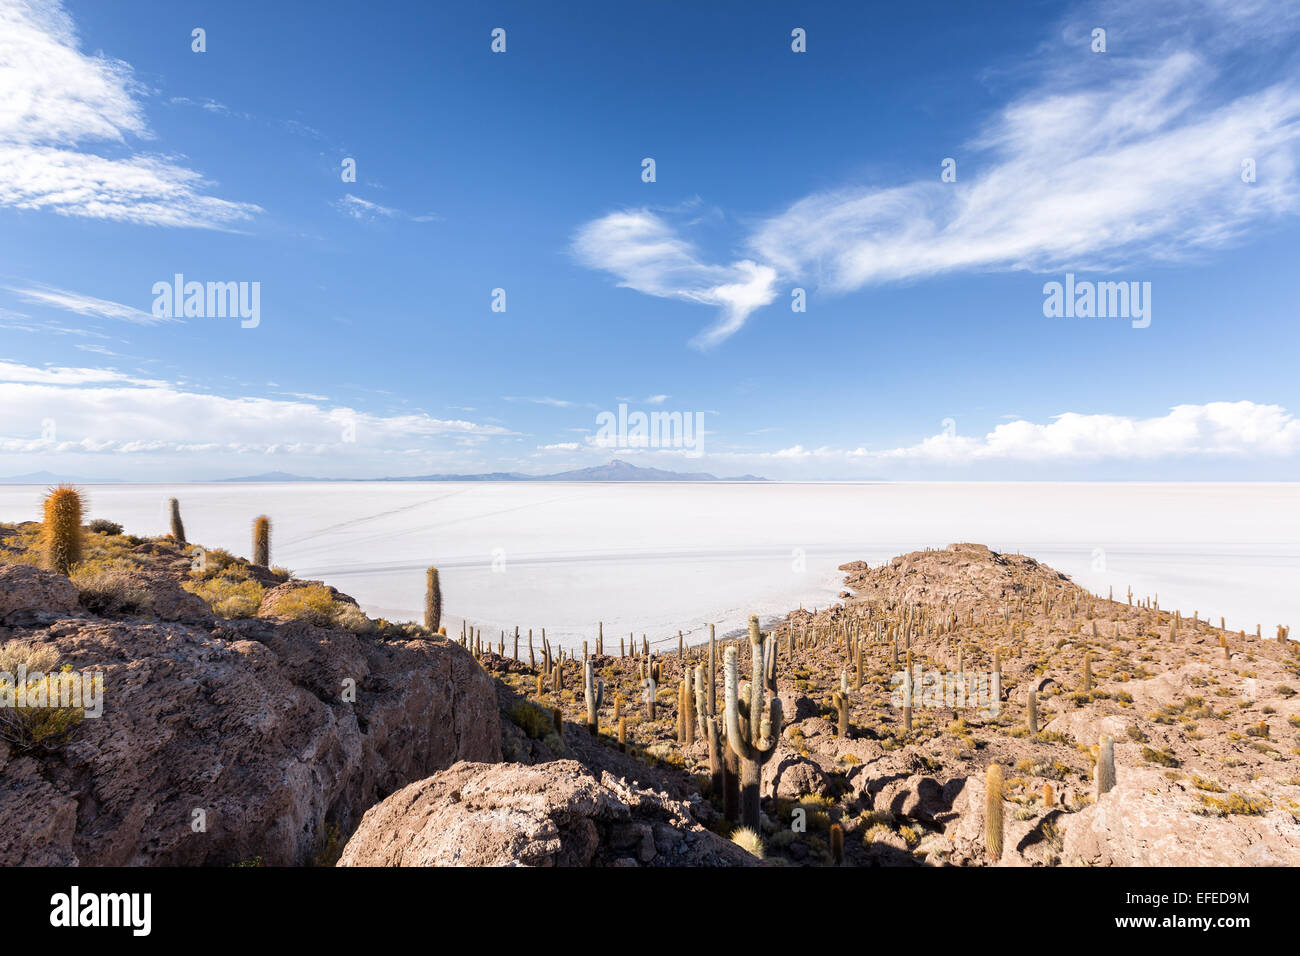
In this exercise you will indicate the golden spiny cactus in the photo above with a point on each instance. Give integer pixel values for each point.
(61, 530)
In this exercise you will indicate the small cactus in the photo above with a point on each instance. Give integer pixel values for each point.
(178, 528)
(61, 530)
(1105, 765)
(651, 688)
(837, 844)
(433, 603)
(993, 786)
(1049, 797)
(262, 542)
(622, 734)
(594, 694)
(1087, 671)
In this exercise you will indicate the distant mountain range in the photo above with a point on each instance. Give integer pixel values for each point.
(615, 470)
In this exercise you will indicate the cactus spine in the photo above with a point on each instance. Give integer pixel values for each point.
(594, 693)
(262, 542)
(178, 528)
(993, 811)
(751, 738)
(433, 606)
(1105, 765)
(61, 530)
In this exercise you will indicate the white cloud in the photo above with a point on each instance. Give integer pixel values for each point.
(543, 400)
(645, 254)
(1137, 157)
(106, 411)
(1237, 429)
(86, 305)
(53, 98)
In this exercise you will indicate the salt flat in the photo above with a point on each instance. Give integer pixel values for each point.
(653, 558)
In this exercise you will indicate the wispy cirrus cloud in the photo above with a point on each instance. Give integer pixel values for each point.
(364, 209)
(86, 305)
(54, 99)
(1134, 155)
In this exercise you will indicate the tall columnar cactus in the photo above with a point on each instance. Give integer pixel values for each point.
(178, 528)
(751, 738)
(837, 843)
(262, 542)
(1049, 797)
(433, 605)
(594, 693)
(61, 530)
(1033, 711)
(709, 729)
(1087, 671)
(907, 694)
(1105, 765)
(651, 688)
(841, 701)
(993, 787)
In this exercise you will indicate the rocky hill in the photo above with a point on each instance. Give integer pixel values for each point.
(249, 717)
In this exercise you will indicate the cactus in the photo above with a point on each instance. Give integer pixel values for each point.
(751, 738)
(1105, 765)
(837, 844)
(593, 692)
(709, 730)
(178, 528)
(907, 694)
(433, 606)
(1049, 797)
(841, 701)
(61, 530)
(262, 542)
(993, 786)
(622, 734)
(1033, 711)
(651, 688)
(1087, 671)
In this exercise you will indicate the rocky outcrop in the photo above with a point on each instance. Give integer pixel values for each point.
(1148, 820)
(27, 591)
(548, 814)
(231, 740)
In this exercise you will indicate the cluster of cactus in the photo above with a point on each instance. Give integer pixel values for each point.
(61, 529)
(750, 737)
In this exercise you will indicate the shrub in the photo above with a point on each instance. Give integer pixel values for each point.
(532, 719)
(106, 589)
(229, 596)
(34, 729)
(111, 528)
(315, 605)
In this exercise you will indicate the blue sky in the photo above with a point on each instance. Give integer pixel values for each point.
(923, 353)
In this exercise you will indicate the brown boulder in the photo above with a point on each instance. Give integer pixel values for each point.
(27, 590)
(548, 814)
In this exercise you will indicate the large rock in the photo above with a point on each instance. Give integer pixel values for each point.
(27, 590)
(238, 742)
(549, 814)
(1148, 821)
